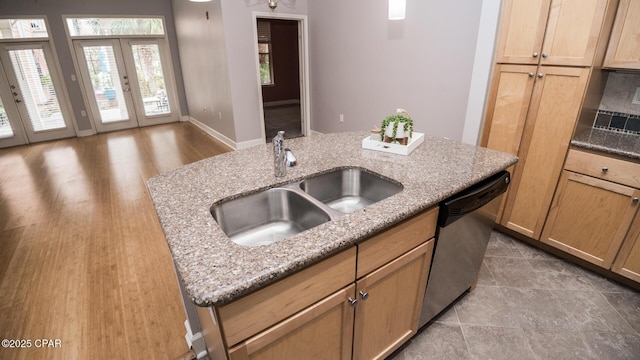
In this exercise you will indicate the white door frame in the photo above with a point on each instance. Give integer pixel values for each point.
(303, 60)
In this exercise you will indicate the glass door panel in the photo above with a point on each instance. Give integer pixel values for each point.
(38, 94)
(11, 130)
(153, 88)
(151, 83)
(6, 131)
(105, 80)
(33, 86)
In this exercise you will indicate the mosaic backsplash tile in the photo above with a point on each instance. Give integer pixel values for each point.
(615, 121)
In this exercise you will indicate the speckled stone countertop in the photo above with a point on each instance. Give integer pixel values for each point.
(610, 142)
(215, 270)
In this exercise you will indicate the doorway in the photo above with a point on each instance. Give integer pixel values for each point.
(125, 82)
(33, 106)
(283, 74)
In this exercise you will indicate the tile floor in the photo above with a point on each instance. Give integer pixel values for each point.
(533, 305)
(285, 117)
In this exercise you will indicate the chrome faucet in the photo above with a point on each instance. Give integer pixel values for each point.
(279, 155)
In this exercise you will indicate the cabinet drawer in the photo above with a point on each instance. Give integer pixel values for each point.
(604, 167)
(397, 240)
(259, 310)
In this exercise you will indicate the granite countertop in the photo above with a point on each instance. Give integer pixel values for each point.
(608, 141)
(215, 270)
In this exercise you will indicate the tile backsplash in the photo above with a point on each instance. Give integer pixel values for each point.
(617, 112)
(619, 92)
(616, 121)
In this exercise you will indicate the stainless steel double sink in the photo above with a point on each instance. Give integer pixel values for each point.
(271, 215)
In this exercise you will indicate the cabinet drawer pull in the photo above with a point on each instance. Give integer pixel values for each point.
(365, 295)
(605, 169)
(352, 302)
(540, 75)
(531, 75)
(544, 55)
(535, 54)
(635, 200)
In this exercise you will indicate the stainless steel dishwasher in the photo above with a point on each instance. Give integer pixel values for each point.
(465, 222)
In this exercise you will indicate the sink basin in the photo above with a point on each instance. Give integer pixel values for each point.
(348, 190)
(267, 217)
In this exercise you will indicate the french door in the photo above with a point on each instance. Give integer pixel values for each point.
(33, 106)
(126, 82)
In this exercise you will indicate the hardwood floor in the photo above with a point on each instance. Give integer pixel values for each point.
(82, 255)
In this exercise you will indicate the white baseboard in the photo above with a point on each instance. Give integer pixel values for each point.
(225, 140)
(214, 134)
(83, 133)
(250, 143)
(195, 341)
(313, 132)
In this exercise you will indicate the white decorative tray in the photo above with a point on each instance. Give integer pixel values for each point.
(415, 140)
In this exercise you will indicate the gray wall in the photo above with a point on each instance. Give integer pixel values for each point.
(365, 66)
(218, 60)
(243, 72)
(54, 11)
(204, 64)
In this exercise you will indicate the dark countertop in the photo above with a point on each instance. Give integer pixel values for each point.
(216, 271)
(611, 142)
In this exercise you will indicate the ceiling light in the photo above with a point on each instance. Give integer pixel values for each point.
(397, 9)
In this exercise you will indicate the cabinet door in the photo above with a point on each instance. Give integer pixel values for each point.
(522, 26)
(322, 331)
(508, 104)
(627, 262)
(590, 217)
(390, 300)
(555, 104)
(624, 45)
(572, 32)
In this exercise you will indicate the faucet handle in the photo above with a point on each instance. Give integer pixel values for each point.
(291, 159)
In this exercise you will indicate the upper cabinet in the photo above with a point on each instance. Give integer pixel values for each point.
(550, 32)
(624, 46)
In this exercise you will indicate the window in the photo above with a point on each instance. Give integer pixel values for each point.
(23, 28)
(114, 26)
(264, 53)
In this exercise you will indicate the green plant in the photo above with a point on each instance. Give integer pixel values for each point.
(397, 119)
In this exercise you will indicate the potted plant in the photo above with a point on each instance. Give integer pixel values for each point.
(397, 128)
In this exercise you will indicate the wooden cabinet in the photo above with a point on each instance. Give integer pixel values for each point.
(322, 331)
(627, 263)
(508, 105)
(550, 32)
(507, 108)
(390, 301)
(257, 311)
(551, 118)
(593, 211)
(624, 45)
(590, 217)
(534, 103)
(333, 310)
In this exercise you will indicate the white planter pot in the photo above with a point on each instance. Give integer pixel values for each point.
(400, 133)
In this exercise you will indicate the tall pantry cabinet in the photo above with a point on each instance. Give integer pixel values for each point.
(545, 54)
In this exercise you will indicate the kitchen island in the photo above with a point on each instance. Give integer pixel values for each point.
(215, 271)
